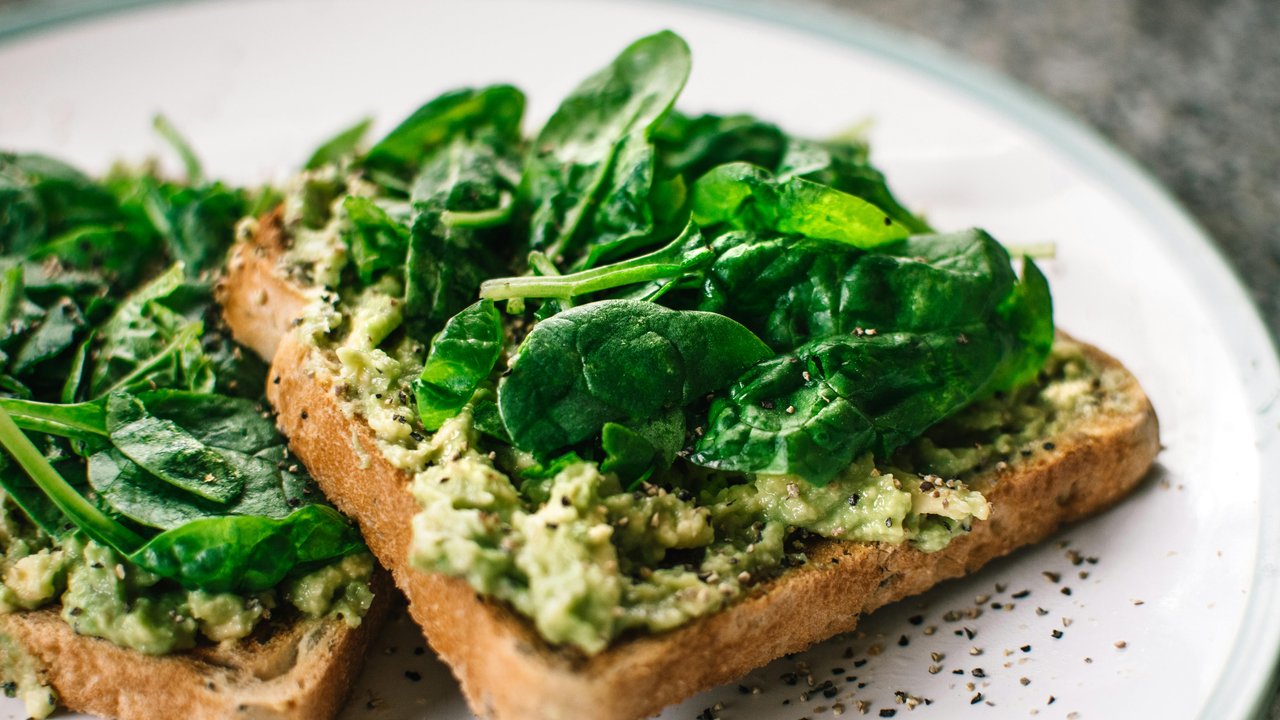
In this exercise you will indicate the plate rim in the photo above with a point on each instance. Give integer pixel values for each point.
(1246, 685)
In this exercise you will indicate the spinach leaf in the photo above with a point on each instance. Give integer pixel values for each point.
(169, 452)
(690, 146)
(95, 523)
(379, 242)
(619, 361)
(42, 198)
(248, 553)
(462, 355)
(56, 332)
(955, 327)
(846, 166)
(154, 337)
(342, 145)
(633, 453)
(811, 412)
(588, 181)
(457, 114)
(446, 262)
(790, 291)
(747, 197)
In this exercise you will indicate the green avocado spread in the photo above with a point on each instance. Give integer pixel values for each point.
(587, 559)
(106, 596)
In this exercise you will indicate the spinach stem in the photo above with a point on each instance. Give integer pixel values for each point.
(56, 419)
(672, 261)
(93, 521)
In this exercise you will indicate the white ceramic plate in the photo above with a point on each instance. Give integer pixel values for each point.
(1185, 575)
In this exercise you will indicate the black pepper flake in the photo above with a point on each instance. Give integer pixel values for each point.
(970, 633)
(1052, 699)
(1049, 446)
(979, 673)
(887, 221)
(888, 712)
(743, 689)
(767, 404)
(303, 415)
(420, 650)
(275, 380)
(976, 699)
(413, 675)
(1065, 591)
(859, 663)
(1020, 594)
(904, 641)
(837, 671)
(916, 619)
(853, 499)
(1025, 648)
(1057, 634)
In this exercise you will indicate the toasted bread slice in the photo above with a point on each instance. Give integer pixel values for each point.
(508, 672)
(299, 669)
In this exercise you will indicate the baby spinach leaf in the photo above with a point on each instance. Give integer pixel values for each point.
(339, 146)
(379, 242)
(462, 355)
(446, 262)
(811, 412)
(454, 115)
(690, 146)
(57, 331)
(790, 291)
(94, 522)
(634, 452)
(166, 450)
(247, 553)
(153, 337)
(41, 198)
(953, 326)
(587, 182)
(619, 361)
(747, 197)
(845, 165)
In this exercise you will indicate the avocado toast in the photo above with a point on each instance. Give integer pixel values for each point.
(651, 391)
(162, 552)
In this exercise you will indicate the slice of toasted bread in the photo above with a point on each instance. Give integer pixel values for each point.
(299, 669)
(508, 672)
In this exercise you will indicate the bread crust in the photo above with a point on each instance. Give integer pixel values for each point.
(297, 669)
(507, 672)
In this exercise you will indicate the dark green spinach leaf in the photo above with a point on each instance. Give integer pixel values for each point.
(588, 181)
(619, 361)
(462, 356)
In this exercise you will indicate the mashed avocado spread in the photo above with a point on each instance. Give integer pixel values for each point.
(105, 596)
(586, 558)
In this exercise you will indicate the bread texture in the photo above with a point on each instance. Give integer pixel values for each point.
(508, 672)
(299, 669)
